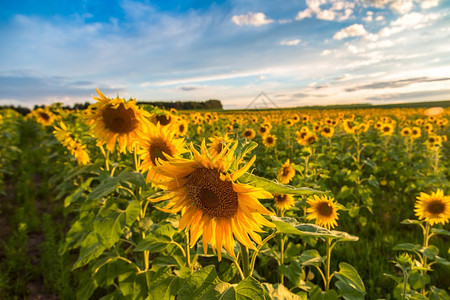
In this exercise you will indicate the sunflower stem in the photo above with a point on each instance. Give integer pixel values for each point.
(245, 261)
(327, 266)
(281, 256)
(426, 238)
(188, 252)
(255, 253)
(107, 160)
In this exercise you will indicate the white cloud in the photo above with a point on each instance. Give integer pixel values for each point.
(254, 19)
(368, 17)
(325, 52)
(327, 10)
(350, 31)
(425, 4)
(379, 18)
(290, 42)
(401, 6)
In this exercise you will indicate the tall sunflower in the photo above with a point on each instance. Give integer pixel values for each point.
(434, 208)
(286, 172)
(158, 143)
(324, 210)
(218, 143)
(211, 202)
(327, 131)
(114, 120)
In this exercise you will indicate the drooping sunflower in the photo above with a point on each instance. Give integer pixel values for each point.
(324, 210)
(286, 172)
(211, 202)
(164, 118)
(269, 140)
(249, 134)
(434, 208)
(158, 143)
(283, 201)
(218, 143)
(117, 120)
(348, 126)
(79, 152)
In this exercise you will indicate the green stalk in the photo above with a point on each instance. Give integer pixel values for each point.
(188, 252)
(327, 266)
(245, 261)
(282, 257)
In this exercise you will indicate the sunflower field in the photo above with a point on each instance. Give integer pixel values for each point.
(127, 201)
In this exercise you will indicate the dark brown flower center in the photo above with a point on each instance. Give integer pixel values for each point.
(209, 193)
(286, 171)
(324, 209)
(120, 119)
(269, 140)
(262, 129)
(44, 116)
(327, 130)
(280, 199)
(156, 151)
(386, 129)
(415, 132)
(181, 128)
(163, 119)
(436, 207)
(247, 133)
(311, 139)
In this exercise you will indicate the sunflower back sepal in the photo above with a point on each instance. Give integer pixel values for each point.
(275, 187)
(410, 221)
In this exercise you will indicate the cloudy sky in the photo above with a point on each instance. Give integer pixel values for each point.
(303, 52)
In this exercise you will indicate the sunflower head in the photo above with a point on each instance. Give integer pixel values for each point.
(387, 129)
(434, 208)
(286, 172)
(324, 210)
(117, 120)
(283, 201)
(327, 131)
(210, 200)
(269, 140)
(249, 134)
(218, 143)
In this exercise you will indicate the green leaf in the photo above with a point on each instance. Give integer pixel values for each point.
(275, 187)
(86, 288)
(317, 294)
(397, 279)
(409, 221)
(438, 294)
(311, 258)
(247, 289)
(293, 272)
(407, 247)
(430, 252)
(157, 240)
(160, 284)
(350, 285)
(440, 231)
(132, 212)
(289, 225)
(110, 184)
(280, 292)
(75, 196)
(198, 283)
(109, 224)
(242, 151)
(91, 248)
(418, 280)
(442, 261)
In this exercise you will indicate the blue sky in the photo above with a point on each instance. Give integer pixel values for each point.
(298, 52)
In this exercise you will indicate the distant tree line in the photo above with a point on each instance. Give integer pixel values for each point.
(185, 105)
(178, 105)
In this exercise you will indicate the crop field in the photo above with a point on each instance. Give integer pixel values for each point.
(128, 201)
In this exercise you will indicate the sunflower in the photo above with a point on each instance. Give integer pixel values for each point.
(406, 131)
(217, 144)
(387, 129)
(182, 127)
(348, 126)
(116, 120)
(308, 139)
(434, 142)
(363, 127)
(158, 143)
(165, 119)
(211, 202)
(43, 116)
(79, 151)
(416, 132)
(269, 140)
(283, 201)
(434, 208)
(263, 130)
(327, 131)
(286, 173)
(324, 210)
(249, 134)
